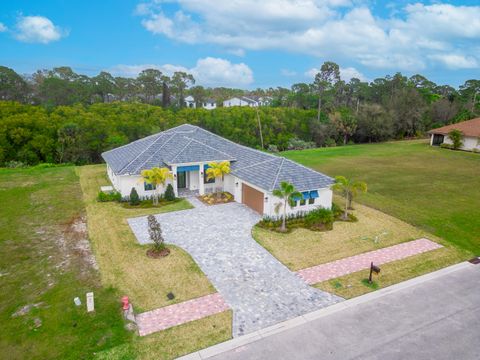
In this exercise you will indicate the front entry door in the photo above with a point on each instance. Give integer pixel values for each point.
(181, 180)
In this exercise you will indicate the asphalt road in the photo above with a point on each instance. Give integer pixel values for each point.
(437, 319)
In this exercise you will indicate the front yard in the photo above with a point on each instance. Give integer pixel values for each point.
(124, 265)
(304, 248)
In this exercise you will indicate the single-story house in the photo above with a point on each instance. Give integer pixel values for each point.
(208, 104)
(469, 128)
(240, 101)
(187, 150)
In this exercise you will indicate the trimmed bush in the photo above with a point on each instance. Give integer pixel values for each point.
(169, 193)
(110, 196)
(134, 198)
(319, 218)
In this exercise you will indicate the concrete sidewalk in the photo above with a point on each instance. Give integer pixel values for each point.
(435, 316)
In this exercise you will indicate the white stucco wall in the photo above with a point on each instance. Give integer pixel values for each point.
(469, 142)
(324, 199)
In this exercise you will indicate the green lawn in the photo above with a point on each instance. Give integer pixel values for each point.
(41, 227)
(435, 189)
(46, 262)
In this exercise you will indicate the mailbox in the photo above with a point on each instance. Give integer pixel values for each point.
(373, 269)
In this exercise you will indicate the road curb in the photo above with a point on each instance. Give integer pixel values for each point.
(306, 318)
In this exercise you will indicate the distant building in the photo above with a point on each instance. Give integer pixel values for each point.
(190, 102)
(251, 101)
(470, 130)
(207, 104)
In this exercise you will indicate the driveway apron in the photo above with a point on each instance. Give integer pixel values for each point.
(260, 290)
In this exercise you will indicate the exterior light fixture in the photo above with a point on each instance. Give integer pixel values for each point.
(236, 184)
(266, 198)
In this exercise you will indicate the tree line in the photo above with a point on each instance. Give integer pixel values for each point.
(60, 116)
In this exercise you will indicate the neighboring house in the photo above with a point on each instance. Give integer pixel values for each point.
(469, 128)
(186, 150)
(208, 104)
(190, 102)
(240, 101)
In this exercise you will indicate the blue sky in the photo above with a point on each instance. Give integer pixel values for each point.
(245, 44)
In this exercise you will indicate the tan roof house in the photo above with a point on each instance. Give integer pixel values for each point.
(469, 128)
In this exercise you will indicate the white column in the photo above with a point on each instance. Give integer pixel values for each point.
(431, 139)
(201, 185)
(174, 182)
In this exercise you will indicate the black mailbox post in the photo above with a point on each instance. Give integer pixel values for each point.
(373, 269)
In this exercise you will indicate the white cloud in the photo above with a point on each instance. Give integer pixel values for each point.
(412, 38)
(37, 29)
(346, 74)
(287, 72)
(2, 27)
(456, 61)
(208, 71)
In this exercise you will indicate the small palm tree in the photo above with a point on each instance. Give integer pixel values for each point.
(349, 189)
(156, 176)
(218, 170)
(287, 193)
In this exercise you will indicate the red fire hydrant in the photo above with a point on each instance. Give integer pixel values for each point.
(125, 302)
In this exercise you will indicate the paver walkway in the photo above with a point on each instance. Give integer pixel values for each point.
(168, 316)
(355, 263)
(260, 290)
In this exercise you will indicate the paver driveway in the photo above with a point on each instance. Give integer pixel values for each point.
(260, 290)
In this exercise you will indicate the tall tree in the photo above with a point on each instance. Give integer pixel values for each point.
(151, 83)
(328, 76)
(12, 85)
(180, 82)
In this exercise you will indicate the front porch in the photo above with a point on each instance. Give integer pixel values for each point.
(191, 180)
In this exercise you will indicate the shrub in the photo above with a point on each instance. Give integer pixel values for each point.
(446, 146)
(169, 193)
(320, 216)
(15, 164)
(457, 138)
(273, 148)
(297, 144)
(476, 150)
(110, 196)
(337, 210)
(330, 142)
(134, 198)
(155, 233)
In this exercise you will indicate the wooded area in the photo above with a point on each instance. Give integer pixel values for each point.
(60, 116)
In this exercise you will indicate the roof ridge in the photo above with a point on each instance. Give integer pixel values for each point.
(182, 150)
(242, 146)
(278, 174)
(136, 157)
(156, 151)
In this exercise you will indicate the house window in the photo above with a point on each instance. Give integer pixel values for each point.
(148, 187)
(206, 180)
(293, 203)
(311, 201)
(303, 202)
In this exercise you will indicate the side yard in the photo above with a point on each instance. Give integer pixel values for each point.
(124, 265)
(45, 263)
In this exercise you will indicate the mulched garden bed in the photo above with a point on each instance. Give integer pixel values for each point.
(152, 253)
(214, 199)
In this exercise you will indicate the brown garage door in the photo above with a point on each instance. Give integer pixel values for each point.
(252, 198)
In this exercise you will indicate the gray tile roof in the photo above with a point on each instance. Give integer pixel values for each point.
(187, 143)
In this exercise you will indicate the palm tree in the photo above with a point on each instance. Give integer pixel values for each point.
(218, 170)
(349, 189)
(156, 176)
(287, 193)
